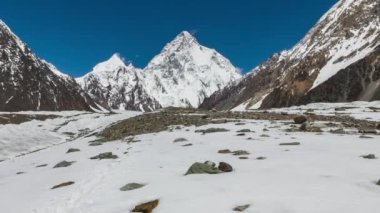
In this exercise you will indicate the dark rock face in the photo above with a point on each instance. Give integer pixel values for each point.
(29, 83)
(338, 60)
(359, 81)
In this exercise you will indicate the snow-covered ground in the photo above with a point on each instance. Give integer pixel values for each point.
(359, 109)
(325, 173)
(16, 139)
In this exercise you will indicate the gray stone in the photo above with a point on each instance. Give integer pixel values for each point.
(105, 155)
(290, 144)
(63, 164)
(241, 208)
(131, 186)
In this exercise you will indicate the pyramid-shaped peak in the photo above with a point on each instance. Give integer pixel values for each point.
(181, 41)
(186, 34)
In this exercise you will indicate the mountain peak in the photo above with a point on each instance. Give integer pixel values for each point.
(186, 34)
(115, 61)
(181, 41)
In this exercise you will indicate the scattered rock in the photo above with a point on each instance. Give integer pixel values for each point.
(365, 137)
(224, 151)
(241, 208)
(244, 130)
(290, 144)
(306, 127)
(378, 126)
(368, 131)
(225, 167)
(105, 155)
(261, 158)
(338, 131)
(95, 143)
(369, 156)
(378, 183)
(205, 116)
(243, 158)
(203, 168)
(42, 165)
(240, 152)
(212, 130)
(146, 207)
(240, 124)
(63, 184)
(300, 119)
(241, 134)
(179, 140)
(265, 130)
(264, 136)
(20, 173)
(131, 186)
(63, 164)
(73, 150)
(186, 145)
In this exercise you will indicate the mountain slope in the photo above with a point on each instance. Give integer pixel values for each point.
(338, 60)
(185, 73)
(29, 83)
(182, 75)
(117, 85)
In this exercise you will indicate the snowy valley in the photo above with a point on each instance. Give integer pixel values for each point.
(276, 165)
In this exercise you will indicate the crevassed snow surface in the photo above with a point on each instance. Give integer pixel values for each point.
(324, 174)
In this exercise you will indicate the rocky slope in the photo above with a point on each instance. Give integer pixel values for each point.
(30, 83)
(182, 75)
(338, 60)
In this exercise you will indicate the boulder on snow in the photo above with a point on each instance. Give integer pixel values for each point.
(105, 155)
(73, 150)
(203, 168)
(179, 140)
(211, 130)
(224, 151)
(244, 131)
(368, 131)
(300, 119)
(146, 207)
(131, 186)
(225, 167)
(290, 144)
(241, 208)
(369, 156)
(240, 152)
(63, 184)
(63, 164)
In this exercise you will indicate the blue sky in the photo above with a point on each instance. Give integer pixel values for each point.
(76, 34)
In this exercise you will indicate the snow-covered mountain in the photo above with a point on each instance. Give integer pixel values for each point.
(30, 83)
(338, 60)
(182, 75)
(118, 85)
(185, 73)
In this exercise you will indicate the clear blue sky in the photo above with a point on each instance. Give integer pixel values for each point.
(76, 34)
